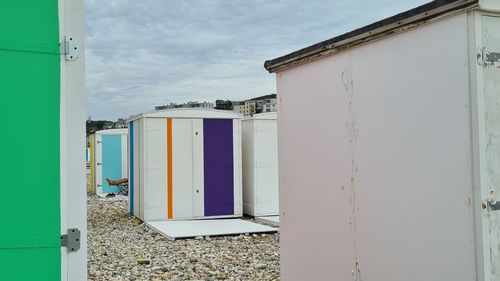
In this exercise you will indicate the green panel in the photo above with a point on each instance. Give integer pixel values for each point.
(29, 143)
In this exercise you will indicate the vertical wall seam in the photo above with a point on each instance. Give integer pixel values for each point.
(131, 167)
(92, 163)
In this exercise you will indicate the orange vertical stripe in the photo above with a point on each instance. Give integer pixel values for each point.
(169, 169)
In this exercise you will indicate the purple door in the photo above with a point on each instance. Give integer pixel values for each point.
(218, 166)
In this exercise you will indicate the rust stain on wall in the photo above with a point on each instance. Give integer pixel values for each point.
(353, 135)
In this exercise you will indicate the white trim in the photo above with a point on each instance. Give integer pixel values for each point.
(98, 165)
(72, 140)
(98, 154)
(237, 168)
(477, 134)
(124, 145)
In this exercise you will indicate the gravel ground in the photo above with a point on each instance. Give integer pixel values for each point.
(123, 248)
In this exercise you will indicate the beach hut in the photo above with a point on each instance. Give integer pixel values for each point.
(108, 160)
(260, 165)
(393, 173)
(43, 177)
(185, 164)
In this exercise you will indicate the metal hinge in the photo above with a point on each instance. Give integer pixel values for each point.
(71, 240)
(487, 58)
(69, 48)
(494, 205)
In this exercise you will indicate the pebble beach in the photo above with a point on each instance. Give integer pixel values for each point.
(121, 247)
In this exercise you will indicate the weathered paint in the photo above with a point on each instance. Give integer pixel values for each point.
(491, 91)
(384, 156)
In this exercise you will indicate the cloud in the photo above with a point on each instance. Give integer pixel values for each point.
(145, 53)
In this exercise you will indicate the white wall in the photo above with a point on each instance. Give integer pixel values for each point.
(260, 167)
(375, 181)
(266, 167)
(247, 152)
(155, 197)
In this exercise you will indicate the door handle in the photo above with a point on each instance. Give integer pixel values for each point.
(99, 164)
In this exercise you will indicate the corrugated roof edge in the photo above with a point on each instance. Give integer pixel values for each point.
(263, 116)
(424, 11)
(228, 113)
(115, 131)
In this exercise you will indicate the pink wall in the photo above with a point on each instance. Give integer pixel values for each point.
(375, 161)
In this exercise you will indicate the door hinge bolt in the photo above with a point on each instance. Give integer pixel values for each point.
(71, 240)
(69, 48)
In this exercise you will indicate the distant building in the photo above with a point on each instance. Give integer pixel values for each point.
(121, 123)
(191, 104)
(269, 105)
(250, 107)
(239, 108)
(195, 104)
(256, 105)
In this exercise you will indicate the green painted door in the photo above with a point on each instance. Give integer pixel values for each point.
(29, 141)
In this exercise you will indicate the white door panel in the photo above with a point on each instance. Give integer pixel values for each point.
(182, 158)
(198, 168)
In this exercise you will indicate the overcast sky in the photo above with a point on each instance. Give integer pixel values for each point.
(152, 52)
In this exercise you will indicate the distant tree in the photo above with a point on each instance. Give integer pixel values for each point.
(92, 126)
(270, 96)
(223, 105)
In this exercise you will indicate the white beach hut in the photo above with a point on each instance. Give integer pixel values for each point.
(260, 165)
(108, 160)
(185, 164)
(394, 173)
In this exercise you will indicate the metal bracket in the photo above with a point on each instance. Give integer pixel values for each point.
(488, 59)
(69, 48)
(494, 205)
(71, 240)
